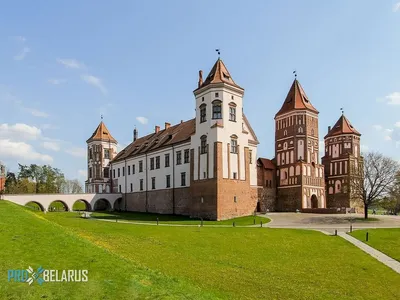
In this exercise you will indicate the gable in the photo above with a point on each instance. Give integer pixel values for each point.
(249, 130)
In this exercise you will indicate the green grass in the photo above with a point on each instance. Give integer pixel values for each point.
(135, 261)
(57, 206)
(386, 240)
(79, 205)
(33, 206)
(173, 219)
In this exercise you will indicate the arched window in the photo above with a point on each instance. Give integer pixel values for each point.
(217, 109)
(232, 112)
(300, 129)
(203, 113)
(234, 146)
(203, 144)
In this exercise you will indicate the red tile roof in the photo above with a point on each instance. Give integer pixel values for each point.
(296, 99)
(173, 135)
(218, 74)
(101, 134)
(266, 163)
(342, 126)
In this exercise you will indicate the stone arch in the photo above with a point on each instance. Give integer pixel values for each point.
(40, 206)
(55, 206)
(118, 204)
(314, 201)
(87, 206)
(101, 205)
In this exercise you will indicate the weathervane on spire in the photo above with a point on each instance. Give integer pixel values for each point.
(219, 52)
(342, 110)
(295, 74)
(101, 116)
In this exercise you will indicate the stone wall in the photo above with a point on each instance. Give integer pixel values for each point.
(267, 199)
(289, 199)
(135, 201)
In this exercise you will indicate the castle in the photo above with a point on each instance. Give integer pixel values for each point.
(207, 166)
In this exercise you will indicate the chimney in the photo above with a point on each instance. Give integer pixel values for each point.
(157, 129)
(329, 128)
(135, 133)
(200, 78)
(167, 125)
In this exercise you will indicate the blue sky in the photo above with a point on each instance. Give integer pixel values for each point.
(64, 63)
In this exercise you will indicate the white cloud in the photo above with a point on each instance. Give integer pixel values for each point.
(51, 146)
(95, 81)
(389, 130)
(22, 151)
(20, 130)
(397, 124)
(71, 63)
(36, 112)
(56, 81)
(22, 54)
(393, 98)
(387, 138)
(142, 120)
(82, 173)
(378, 127)
(75, 151)
(396, 7)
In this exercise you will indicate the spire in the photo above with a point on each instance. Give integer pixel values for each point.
(342, 126)
(101, 134)
(218, 74)
(296, 99)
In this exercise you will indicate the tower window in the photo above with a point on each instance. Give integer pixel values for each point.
(90, 172)
(217, 109)
(203, 144)
(216, 95)
(203, 113)
(234, 147)
(106, 153)
(106, 172)
(232, 113)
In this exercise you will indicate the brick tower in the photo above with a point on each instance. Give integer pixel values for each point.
(101, 148)
(342, 162)
(300, 176)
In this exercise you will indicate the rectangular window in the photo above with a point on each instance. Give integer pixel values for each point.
(152, 163)
(233, 146)
(216, 95)
(119, 172)
(234, 175)
(179, 157)
(106, 172)
(119, 188)
(91, 153)
(251, 156)
(106, 153)
(157, 162)
(203, 114)
(123, 171)
(204, 175)
(168, 181)
(203, 145)
(167, 160)
(129, 170)
(141, 184)
(140, 166)
(133, 169)
(235, 199)
(183, 179)
(153, 183)
(131, 187)
(232, 113)
(186, 156)
(217, 110)
(113, 173)
(90, 172)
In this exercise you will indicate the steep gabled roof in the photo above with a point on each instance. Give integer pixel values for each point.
(219, 74)
(296, 99)
(266, 163)
(173, 135)
(246, 121)
(102, 134)
(342, 126)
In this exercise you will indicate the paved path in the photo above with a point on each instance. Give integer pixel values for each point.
(383, 258)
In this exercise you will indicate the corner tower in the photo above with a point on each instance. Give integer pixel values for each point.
(101, 149)
(343, 162)
(223, 164)
(300, 176)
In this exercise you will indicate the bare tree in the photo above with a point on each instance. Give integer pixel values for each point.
(72, 187)
(377, 180)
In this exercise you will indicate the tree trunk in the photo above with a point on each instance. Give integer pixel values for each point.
(365, 211)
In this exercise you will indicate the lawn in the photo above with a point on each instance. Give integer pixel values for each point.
(174, 219)
(189, 262)
(386, 240)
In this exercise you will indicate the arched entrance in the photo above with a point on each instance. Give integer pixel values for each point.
(102, 205)
(58, 205)
(81, 204)
(258, 206)
(35, 206)
(314, 201)
(118, 205)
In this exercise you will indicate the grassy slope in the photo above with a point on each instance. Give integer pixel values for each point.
(384, 239)
(27, 239)
(247, 263)
(173, 219)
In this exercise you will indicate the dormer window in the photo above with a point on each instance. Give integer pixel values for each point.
(217, 109)
(203, 113)
(226, 76)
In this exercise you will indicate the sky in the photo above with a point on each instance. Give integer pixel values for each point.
(63, 64)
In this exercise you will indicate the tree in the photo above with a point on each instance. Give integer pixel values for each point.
(72, 187)
(377, 180)
(392, 202)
